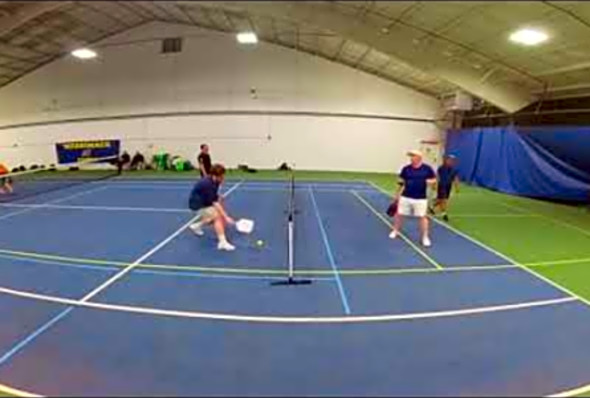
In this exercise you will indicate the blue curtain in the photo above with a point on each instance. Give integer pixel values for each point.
(544, 163)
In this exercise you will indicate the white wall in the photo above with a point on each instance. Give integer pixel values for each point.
(214, 73)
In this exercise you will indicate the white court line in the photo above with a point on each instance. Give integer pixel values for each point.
(17, 393)
(137, 262)
(503, 256)
(554, 220)
(572, 393)
(259, 182)
(156, 248)
(16, 349)
(52, 202)
(408, 241)
(459, 215)
(288, 319)
(99, 208)
(244, 188)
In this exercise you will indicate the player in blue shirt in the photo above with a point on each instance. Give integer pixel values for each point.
(205, 200)
(448, 176)
(412, 196)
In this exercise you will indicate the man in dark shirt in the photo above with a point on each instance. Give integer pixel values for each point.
(138, 161)
(204, 160)
(205, 200)
(447, 177)
(412, 195)
(123, 161)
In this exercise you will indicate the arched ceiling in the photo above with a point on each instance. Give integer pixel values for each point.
(433, 47)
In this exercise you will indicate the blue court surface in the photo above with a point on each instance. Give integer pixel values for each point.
(104, 291)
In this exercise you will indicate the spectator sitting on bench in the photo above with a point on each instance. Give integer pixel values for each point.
(123, 162)
(138, 162)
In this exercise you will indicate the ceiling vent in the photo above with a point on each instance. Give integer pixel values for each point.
(172, 45)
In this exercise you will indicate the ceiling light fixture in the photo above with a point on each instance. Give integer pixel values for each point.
(528, 37)
(247, 38)
(84, 53)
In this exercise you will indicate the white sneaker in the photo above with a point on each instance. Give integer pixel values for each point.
(228, 247)
(426, 242)
(393, 234)
(197, 229)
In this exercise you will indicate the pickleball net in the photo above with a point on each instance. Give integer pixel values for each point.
(42, 180)
(291, 216)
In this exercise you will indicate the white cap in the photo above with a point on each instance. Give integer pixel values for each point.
(415, 152)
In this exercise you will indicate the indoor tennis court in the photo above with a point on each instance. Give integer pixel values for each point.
(107, 110)
(159, 295)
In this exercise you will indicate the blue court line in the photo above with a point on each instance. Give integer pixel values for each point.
(31, 337)
(104, 268)
(214, 276)
(341, 290)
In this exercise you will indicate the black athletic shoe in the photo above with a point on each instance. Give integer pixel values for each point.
(446, 218)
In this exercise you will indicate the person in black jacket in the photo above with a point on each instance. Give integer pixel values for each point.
(204, 161)
(138, 162)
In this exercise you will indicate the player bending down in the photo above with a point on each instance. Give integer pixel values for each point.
(5, 182)
(206, 201)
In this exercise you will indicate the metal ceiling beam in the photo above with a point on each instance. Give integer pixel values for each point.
(100, 10)
(229, 21)
(336, 56)
(570, 13)
(579, 86)
(210, 19)
(27, 13)
(138, 9)
(54, 57)
(274, 30)
(187, 14)
(565, 69)
(362, 57)
(509, 98)
(327, 58)
(164, 9)
(251, 22)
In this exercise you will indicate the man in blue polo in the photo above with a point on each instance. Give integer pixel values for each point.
(447, 177)
(412, 196)
(205, 200)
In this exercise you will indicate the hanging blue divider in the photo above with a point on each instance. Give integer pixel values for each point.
(540, 162)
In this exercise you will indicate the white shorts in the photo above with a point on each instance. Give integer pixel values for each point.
(413, 207)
